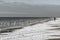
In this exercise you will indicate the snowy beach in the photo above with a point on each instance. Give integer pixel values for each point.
(41, 31)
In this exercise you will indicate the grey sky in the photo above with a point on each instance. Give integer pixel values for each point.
(34, 1)
(34, 8)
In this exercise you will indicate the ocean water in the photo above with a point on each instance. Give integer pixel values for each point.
(18, 21)
(12, 22)
(47, 30)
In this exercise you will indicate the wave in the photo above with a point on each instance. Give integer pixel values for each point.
(41, 31)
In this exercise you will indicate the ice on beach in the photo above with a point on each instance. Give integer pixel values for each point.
(39, 31)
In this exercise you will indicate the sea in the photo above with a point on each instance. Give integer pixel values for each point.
(33, 28)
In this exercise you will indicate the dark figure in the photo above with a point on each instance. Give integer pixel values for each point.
(54, 18)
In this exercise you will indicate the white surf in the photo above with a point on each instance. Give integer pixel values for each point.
(41, 31)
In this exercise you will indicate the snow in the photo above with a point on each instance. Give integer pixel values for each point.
(39, 31)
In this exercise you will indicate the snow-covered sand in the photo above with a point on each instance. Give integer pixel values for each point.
(41, 31)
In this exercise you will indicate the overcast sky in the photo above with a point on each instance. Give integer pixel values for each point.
(36, 8)
(38, 2)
